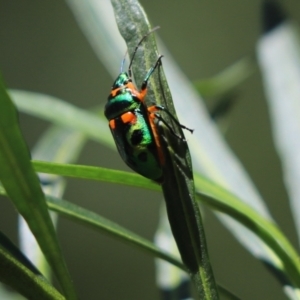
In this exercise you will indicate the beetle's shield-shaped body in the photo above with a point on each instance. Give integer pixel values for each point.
(135, 142)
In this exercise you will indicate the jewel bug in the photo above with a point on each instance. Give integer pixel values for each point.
(132, 122)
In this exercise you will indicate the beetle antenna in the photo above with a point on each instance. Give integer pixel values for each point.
(123, 62)
(137, 46)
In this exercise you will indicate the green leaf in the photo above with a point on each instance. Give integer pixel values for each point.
(227, 80)
(95, 173)
(178, 186)
(64, 114)
(18, 272)
(23, 188)
(210, 194)
(97, 222)
(59, 145)
(211, 156)
(279, 60)
(216, 197)
(86, 217)
(24, 281)
(8, 246)
(184, 214)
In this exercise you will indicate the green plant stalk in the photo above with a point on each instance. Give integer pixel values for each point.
(91, 219)
(227, 80)
(97, 222)
(184, 214)
(94, 173)
(209, 193)
(221, 200)
(23, 280)
(178, 188)
(24, 190)
(64, 114)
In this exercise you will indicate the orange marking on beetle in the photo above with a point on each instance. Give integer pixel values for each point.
(142, 94)
(112, 124)
(113, 93)
(130, 86)
(152, 110)
(128, 117)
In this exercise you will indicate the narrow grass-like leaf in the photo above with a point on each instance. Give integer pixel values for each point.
(211, 156)
(96, 19)
(96, 221)
(93, 220)
(227, 80)
(57, 144)
(82, 215)
(221, 200)
(22, 279)
(8, 246)
(95, 173)
(23, 188)
(279, 58)
(184, 214)
(212, 195)
(64, 114)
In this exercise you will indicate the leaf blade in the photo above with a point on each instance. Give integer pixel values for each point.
(217, 198)
(23, 188)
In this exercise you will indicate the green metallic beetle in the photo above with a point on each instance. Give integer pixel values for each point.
(132, 123)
